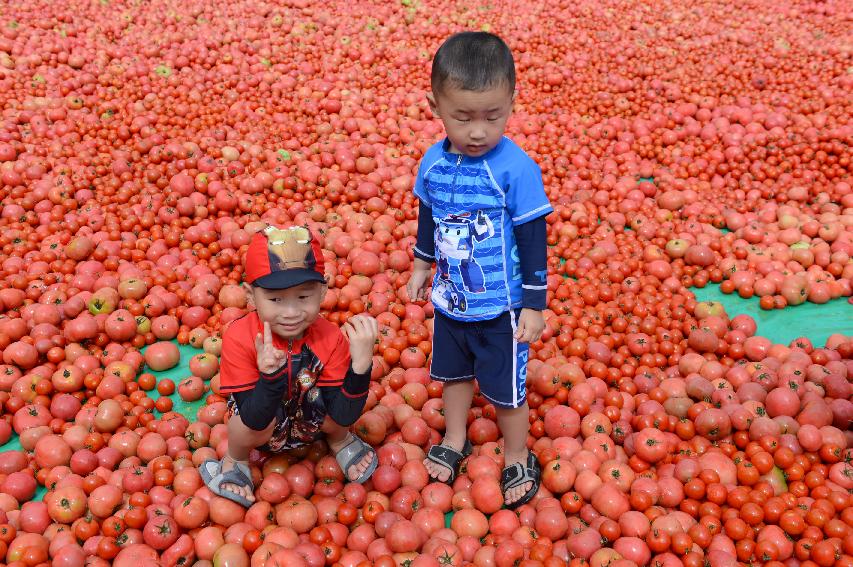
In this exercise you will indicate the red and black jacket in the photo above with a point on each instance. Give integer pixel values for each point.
(319, 359)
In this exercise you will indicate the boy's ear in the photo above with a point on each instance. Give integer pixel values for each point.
(323, 289)
(432, 104)
(249, 295)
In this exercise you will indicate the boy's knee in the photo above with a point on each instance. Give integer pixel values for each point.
(250, 425)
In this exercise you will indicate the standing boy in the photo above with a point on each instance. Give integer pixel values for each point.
(482, 221)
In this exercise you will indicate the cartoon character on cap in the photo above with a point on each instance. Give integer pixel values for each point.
(290, 247)
(279, 258)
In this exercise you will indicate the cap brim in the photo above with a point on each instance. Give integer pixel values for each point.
(288, 278)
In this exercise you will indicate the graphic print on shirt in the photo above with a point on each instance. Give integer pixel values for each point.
(456, 237)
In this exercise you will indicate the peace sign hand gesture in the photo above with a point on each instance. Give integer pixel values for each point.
(270, 358)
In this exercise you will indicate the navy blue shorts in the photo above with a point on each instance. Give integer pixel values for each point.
(485, 350)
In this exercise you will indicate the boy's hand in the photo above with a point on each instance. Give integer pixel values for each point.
(531, 323)
(361, 331)
(270, 358)
(417, 284)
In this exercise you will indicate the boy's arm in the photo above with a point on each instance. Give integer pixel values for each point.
(257, 395)
(257, 407)
(528, 206)
(531, 239)
(345, 402)
(425, 245)
(344, 390)
(424, 252)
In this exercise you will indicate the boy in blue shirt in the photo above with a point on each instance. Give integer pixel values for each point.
(482, 221)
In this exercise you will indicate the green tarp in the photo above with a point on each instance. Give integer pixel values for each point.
(816, 322)
(176, 374)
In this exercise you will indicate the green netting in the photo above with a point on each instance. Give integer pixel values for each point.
(176, 374)
(816, 322)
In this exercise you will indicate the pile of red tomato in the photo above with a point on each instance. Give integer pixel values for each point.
(142, 143)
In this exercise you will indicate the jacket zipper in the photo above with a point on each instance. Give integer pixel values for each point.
(289, 367)
(455, 176)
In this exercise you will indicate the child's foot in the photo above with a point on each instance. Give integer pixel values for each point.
(357, 469)
(441, 471)
(520, 479)
(513, 495)
(244, 491)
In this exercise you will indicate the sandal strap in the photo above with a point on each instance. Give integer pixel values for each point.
(352, 453)
(234, 476)
(441, 451)
(242, 466)
(211, 468)
(444, 455)
(449, 458)
(517, 474)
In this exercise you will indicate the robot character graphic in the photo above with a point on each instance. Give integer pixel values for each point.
(455, 237)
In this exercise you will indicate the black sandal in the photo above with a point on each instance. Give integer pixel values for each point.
(518, 475)
(448, 458)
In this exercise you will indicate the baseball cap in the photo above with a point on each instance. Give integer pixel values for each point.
(283, 257)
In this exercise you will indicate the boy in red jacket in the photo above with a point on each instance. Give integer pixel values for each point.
(291, 376)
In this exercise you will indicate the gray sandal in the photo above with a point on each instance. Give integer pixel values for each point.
(352, 453)
(449, 458)
(214, 478)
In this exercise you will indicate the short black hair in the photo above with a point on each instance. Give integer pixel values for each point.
(473, 61)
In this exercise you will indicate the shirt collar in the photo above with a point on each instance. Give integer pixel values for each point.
(453, 157)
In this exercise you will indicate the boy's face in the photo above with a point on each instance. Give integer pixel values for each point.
(474, 120)
(289, 311)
